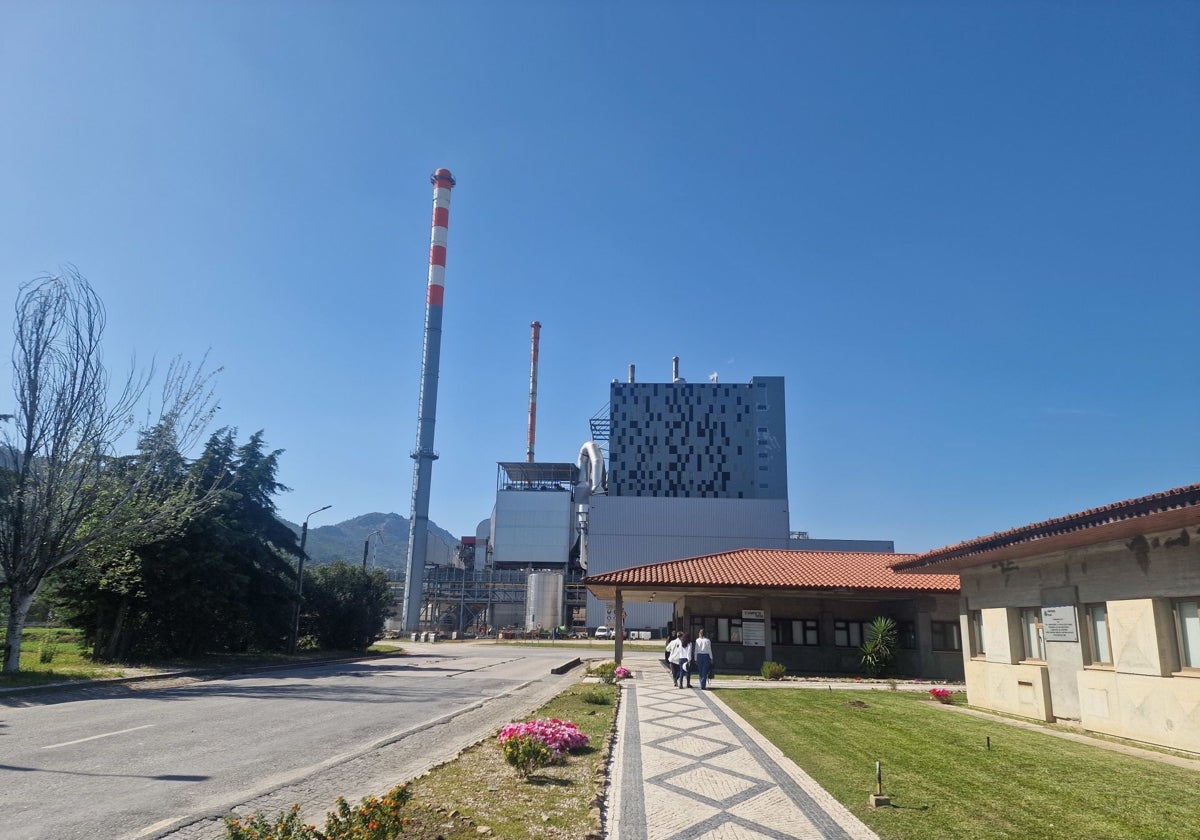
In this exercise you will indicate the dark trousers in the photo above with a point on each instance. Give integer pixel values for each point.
(703, 667)
(675, 672)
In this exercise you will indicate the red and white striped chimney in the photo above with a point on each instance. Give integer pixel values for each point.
(424, 455)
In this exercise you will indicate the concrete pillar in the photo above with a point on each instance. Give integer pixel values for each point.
(619, 622)
(768, 656)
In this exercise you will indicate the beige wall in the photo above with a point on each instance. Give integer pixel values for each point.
(1142, 695)
(1013, 689)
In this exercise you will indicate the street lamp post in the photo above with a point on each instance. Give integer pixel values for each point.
(300, 582)
(367, 545)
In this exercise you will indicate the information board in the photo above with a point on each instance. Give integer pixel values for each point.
(1059, 624)
(753, 634)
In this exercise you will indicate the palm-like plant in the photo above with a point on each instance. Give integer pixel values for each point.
(879, 649)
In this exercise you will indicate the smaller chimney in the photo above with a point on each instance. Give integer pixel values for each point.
(631, 379)
(534, 342)
(674, 368)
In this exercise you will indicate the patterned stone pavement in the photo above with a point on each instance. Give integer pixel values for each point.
(686, 767)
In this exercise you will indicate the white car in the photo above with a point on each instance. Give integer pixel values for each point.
(603, 632)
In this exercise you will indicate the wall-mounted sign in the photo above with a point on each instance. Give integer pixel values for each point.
(754, 633)
(753, 615)
(1059, 624)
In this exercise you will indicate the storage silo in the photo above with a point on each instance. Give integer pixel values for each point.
(544, 600)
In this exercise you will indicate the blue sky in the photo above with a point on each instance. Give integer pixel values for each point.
(966, 234)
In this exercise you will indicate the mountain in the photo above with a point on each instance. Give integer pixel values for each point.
(388, 549)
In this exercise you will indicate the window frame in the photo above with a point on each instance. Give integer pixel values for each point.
(954, 629)
(848, 626)
(978, 639)
(1038, 639)
(1090, 628)
(1189, 658)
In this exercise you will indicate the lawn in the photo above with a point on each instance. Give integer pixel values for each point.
(480, 789)
(58, 654)
(946, 783)
(54, 654)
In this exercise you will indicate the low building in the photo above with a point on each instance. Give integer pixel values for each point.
(1090, 617)
(805, 609)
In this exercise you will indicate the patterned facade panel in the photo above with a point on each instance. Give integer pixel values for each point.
(710, 440)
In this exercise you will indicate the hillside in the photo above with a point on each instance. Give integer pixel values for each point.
(389, 548)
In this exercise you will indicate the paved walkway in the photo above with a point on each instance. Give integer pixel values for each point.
(686, 767)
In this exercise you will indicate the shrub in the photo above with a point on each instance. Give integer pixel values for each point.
(773, 670)
(375, 818)
(942, 695)
(879, 649)
(606, 671)
(537, 743)
(622, 673)
(596, 697)
(526, 753)
(47, 649)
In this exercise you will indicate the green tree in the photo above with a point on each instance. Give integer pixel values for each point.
(55, 458)
(879, 646)
(345, 606)
(221, 583)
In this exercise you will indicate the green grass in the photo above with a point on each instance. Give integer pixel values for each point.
(70, 659)
(945, 783)
(483, 790)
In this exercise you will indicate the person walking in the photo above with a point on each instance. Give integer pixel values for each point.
(672, 647)
(683, 655)
(703, 658)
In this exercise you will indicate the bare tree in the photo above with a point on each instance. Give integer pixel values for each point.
(54, 500)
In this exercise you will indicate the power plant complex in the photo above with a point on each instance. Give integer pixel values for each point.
(670, 470)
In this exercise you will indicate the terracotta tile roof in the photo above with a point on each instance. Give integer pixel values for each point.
(1118, 520)
(765, 568)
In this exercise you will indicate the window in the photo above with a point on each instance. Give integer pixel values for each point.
(1187, 628)
(781, 631)
(945, 635)
(1096, 625)
(848, 633)
(1031, 633)
(978, 646)
(804, 632)
(906, 632)
(786, 631)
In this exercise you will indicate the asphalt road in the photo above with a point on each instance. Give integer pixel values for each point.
(121, 762)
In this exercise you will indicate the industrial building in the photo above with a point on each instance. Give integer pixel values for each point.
(694, 468)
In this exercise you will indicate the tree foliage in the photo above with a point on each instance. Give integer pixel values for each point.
(345, 606)
(221, 583)
(63, 488)
(879, 646)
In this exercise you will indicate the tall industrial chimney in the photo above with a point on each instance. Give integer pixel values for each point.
(423, 455)
(674, 368)
(533, 364)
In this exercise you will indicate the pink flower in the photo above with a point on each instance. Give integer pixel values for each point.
(559, 735)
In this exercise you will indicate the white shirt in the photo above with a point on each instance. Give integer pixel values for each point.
(681, 653)
(703, 645)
